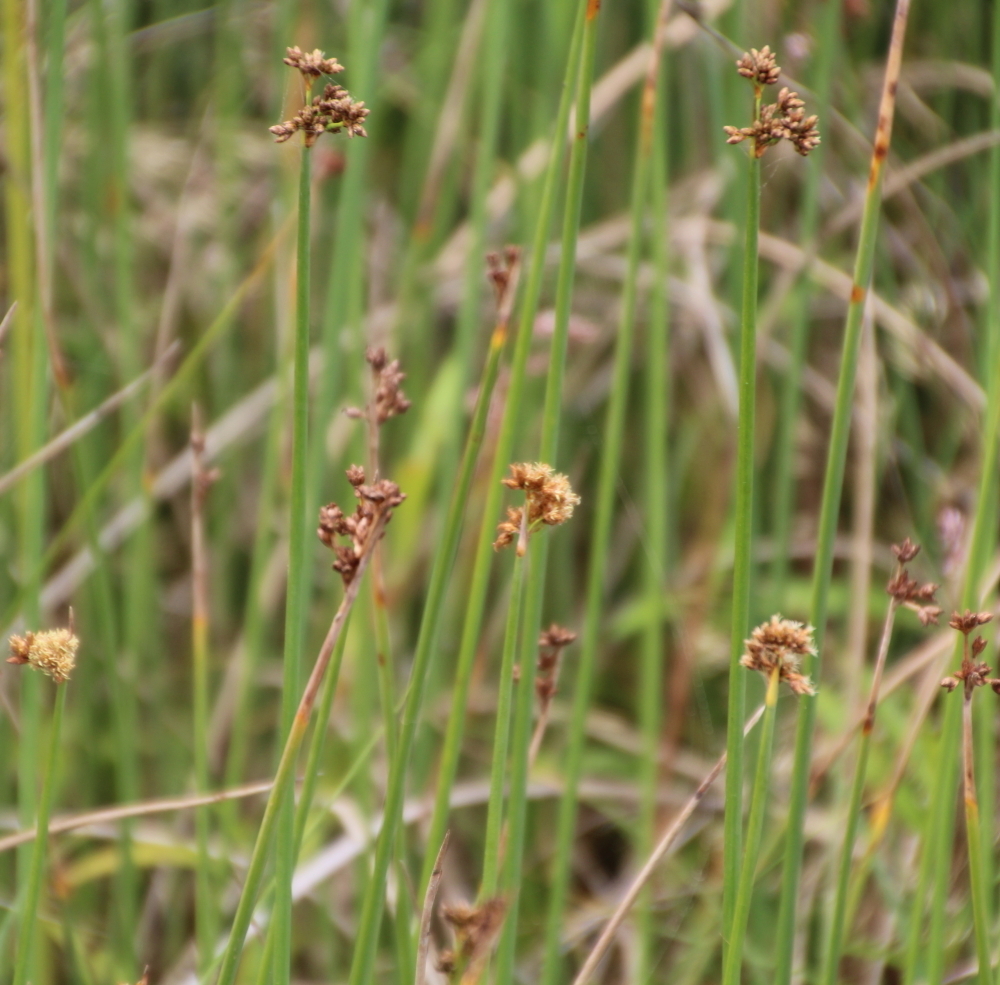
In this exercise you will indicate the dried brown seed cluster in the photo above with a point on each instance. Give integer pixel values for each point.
(551, 643)
(332, 110)
(374, 510)
(390, 401)
(781, 644)
(549, 500)
(783, 120)
(760, 66)
(312, 64)
(475, 927)
(52, 651)
(908, 591)
(973, 673)
(968, 621)
(499, 267)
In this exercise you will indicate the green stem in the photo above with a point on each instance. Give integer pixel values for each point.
(479, 583)
(657, 509)
(755, 826)
(310, 777)
(742, 563)
(205, 906)
(363, 961)
(559, 883)
(830, 504)
(791, 392)
(501, 735)
(285, 776)
(517, 810)
(835, 941)
(39, 849)
(974, 840)
(297, 589)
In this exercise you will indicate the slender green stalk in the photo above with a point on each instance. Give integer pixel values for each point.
(285, 775)
(501, 736)
(28, 394)
(742, 560)
(254, 612)
(205, 905)
(297, 590)
(559, 884)
(520, 766)
(755, 827)
(974, 841)
(657, 496)
(491, 91)
(986, 752)
(39, 849)
(830, 503)
(835, 940)
(309, 780)
(479, 582)
(791, 392)
(363, 960)
(345, 281)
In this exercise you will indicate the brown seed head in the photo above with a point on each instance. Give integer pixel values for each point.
(556, 637)
(376, 503)
(760, 66)
(784, 119)
(334, 109)
(52, 651)
(966, 622)
(311, 64)
(549, 500)
(475, 927)
(781, 643)
(906, 551)
(390, 401)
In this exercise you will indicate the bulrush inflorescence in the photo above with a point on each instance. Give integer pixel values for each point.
(551, 644)
(549, 500)
(972, 674)
(784, 119)
(374, 510)
(909, 592)
(781, 644)
(475, 928)
(52, 651)
(333, 109)
(388, 399)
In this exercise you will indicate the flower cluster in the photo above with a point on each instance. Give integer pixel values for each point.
(374, 510)
(312, 64)
(500, 268)
(475, 927)
(782, 120)
(781, 644)
(908, 591)
(973, 673)
(333, 109)
(389, 399)
(759, 66)
(52, 651)
(549, 499)
(551, 643)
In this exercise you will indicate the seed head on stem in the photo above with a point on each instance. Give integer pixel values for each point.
(781, 644)
(51, 651)
(549, 501)
(784, 119)
(332, 110)
(973, 673)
